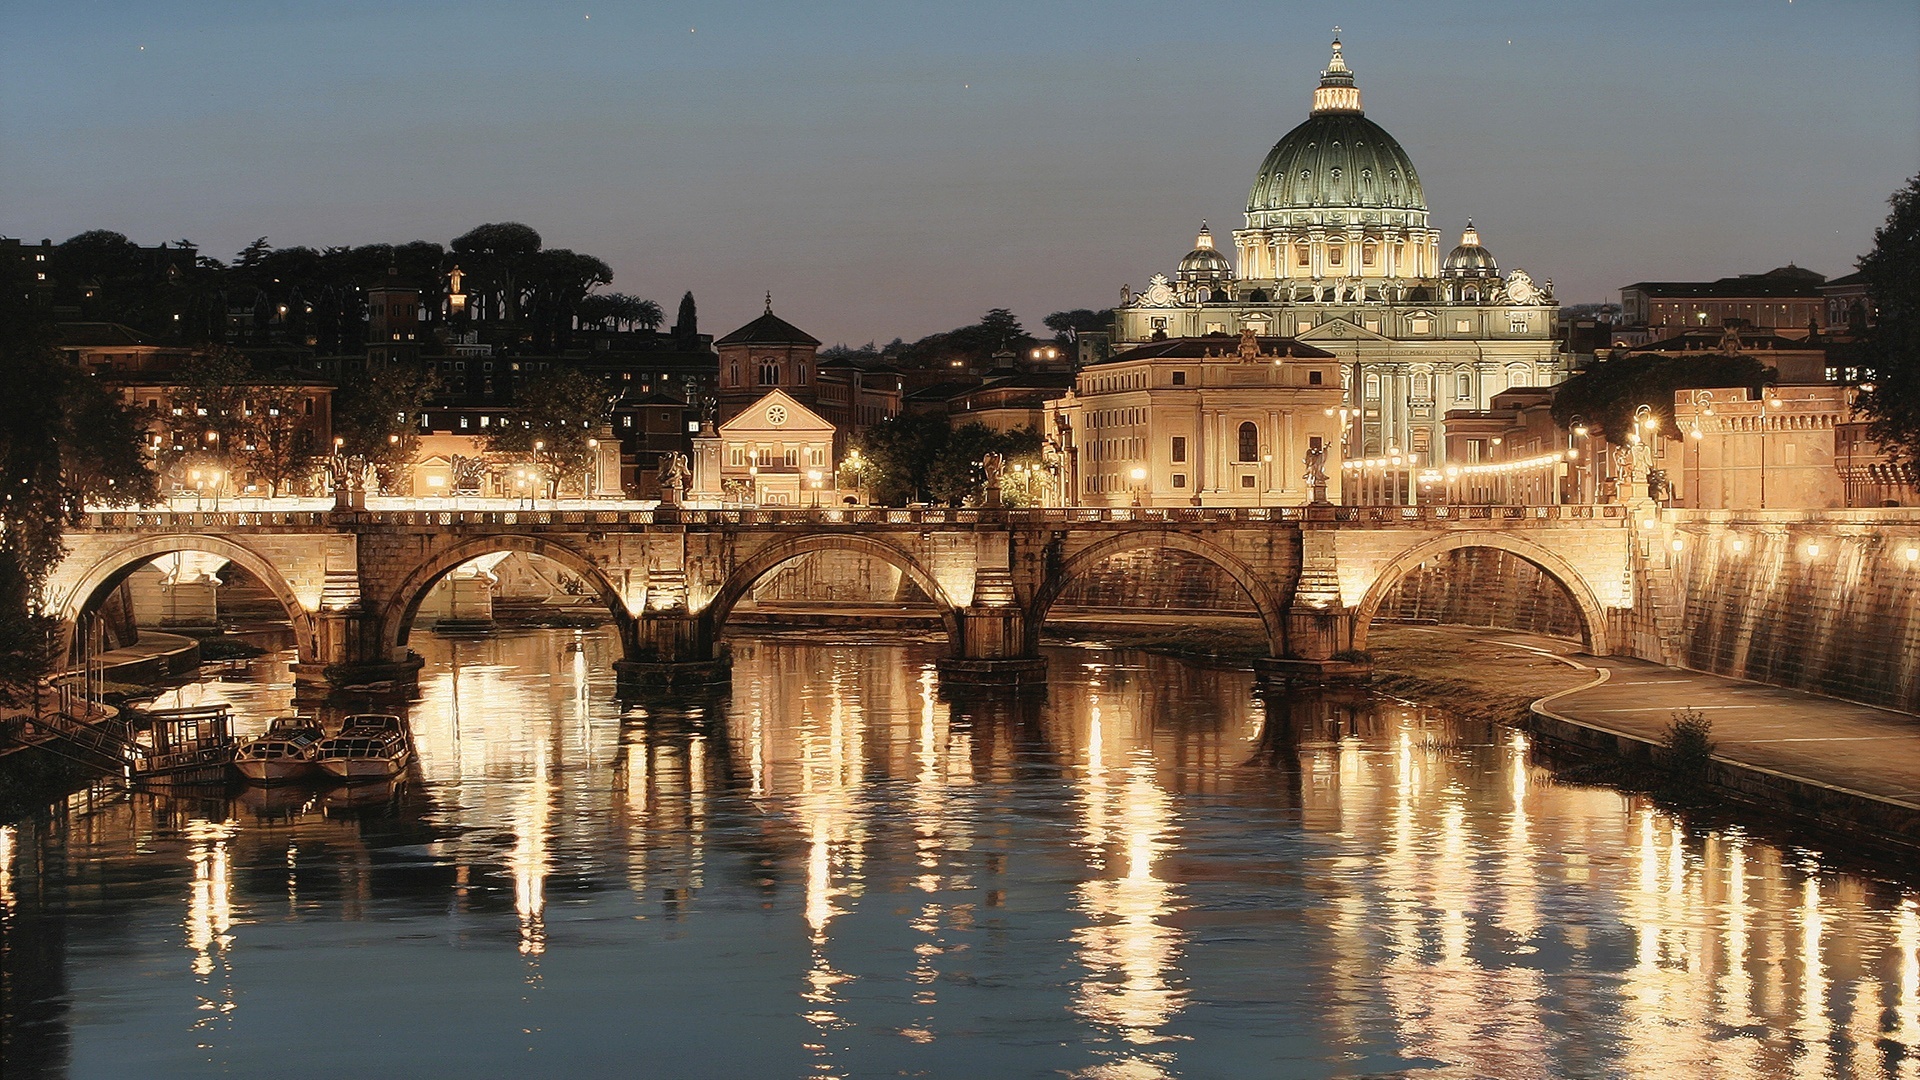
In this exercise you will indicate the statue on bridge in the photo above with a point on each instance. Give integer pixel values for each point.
(1316, 475)
(674, 475)
(994, 466)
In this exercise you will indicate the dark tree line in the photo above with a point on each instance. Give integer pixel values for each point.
(316, 297)
(1891, 347)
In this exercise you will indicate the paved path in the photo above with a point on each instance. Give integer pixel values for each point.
(1832, 743)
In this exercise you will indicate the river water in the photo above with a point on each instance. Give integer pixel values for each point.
(833, 872)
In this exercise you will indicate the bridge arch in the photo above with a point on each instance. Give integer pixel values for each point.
(110, 570)
(741, 580)
(1265, 601)
(1593, 617)
(404, 604)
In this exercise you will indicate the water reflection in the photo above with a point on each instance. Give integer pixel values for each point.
(836, 870)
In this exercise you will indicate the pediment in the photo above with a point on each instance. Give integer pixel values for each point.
(756, 418)
(1341, 329)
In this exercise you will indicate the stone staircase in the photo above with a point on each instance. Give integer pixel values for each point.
(1658, 587)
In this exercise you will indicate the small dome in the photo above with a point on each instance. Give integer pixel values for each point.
(1469, 259)
(1204, 262)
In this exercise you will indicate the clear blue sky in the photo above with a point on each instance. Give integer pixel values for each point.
(897, 168)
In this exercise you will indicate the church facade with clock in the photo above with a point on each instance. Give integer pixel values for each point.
(1339, 253)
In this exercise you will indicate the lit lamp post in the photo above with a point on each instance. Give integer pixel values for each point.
(1139, 484)
(1578, 431)
(857, 465)
(1266, 478)
(813, 481)
(590, 476)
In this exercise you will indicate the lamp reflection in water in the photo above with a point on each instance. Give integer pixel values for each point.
(1126, 948)
(830, 772)
(529, 861)
(8, 842)
(210, 916)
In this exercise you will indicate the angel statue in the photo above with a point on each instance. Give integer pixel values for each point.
(674, 475)
(994, 465)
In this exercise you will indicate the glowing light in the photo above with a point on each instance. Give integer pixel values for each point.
(1913, 554)
(1813, 549)
(1679, 544)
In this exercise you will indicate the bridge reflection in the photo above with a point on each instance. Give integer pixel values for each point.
(1144, 836)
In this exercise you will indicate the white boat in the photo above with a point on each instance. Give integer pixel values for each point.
(370, 746)
(285, 753)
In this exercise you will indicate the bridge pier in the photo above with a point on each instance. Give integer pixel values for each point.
(672, 650)
(346, 654)
(1319, 649)
(993, 649)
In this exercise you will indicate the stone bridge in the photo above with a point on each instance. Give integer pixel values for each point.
(352, 581)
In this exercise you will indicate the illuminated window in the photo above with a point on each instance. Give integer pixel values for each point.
(1373, 386)
(1517, 322)
(1462, 325)
(1422, 386)
(737, 456)
(1421, 326)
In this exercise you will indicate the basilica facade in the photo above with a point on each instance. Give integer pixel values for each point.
(1339, 254)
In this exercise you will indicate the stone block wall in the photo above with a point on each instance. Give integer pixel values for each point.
(1825, 602)
(1483, 587)
(1158, 580)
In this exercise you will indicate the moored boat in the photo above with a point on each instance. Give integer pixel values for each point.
(370, 746)
(285, 753)
(187, 746)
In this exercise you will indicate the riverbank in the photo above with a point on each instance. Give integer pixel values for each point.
(1467, 672)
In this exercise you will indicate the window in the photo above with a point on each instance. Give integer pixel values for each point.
(1179, 448)
(792, 458)
(1302, 326)
(463, 423)
(1517, 322)
(1373, 387)
(1463, 386)
(1423, 386)
(737, 456)
(1179, 479)
(1246, 481)
(1249, 442)
(1313, 378)
(1421, 326)
(769, 374)
(1368, 254)
(1462, 325)
(800, 375)
(1519, 376)
(1334, 254)
(733, 374)
(1179, 378)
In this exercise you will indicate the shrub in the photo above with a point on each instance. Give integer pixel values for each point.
(1689, 744)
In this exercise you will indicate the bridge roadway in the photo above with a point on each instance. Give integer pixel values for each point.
(352, 581)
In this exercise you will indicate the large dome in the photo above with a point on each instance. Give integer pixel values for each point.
(1336, 160)
(1337, 157)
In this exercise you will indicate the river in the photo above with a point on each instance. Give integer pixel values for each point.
(1148, 870)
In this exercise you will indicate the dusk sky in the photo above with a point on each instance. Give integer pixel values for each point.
(898, 168)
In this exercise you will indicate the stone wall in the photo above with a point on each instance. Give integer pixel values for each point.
(1822, 601)
(840, 577)
(1483, 587)
(1158, 580)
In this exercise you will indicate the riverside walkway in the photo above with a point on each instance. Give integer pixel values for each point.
(1844, 767)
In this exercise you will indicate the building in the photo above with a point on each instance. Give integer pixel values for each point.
(1009, 401)
(1787, 298)
(775, 452)
(1339, 253)
(766, 354)
(1198, 421)
(1850, 307)
(1796, 359)
(101, 347)
(1770, 451)
(853, 394)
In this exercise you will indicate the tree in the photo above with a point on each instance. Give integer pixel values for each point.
(376, 417)
(66, 442)
(1608, 394)
(687, 322)
(1068, 324)
(559, 413)
(278, 444)
(1891, 346)
(208, 425)
(897, 452)
(497, 254)
(557, 280)
(958, 475)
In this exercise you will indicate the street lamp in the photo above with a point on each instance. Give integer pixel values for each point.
(813, 478)
(1139, 483)
(753, 481)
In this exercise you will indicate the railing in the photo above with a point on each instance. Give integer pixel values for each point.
(882, 517)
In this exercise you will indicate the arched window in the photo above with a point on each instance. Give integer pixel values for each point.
(1519, 376)
(733, 374)
(1300, 256)
(1422, 386)
(1373, 386)
(769, 374)
(1249, 441)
